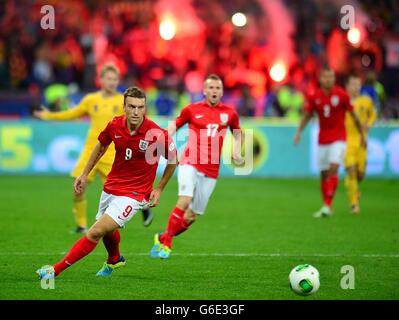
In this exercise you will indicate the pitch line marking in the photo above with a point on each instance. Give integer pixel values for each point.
(215, 254)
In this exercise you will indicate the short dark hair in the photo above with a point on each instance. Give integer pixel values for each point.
(326, 67)
(213, 76)
(134, 92)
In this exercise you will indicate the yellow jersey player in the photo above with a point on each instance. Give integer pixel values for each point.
(100, 107)
(356, 154)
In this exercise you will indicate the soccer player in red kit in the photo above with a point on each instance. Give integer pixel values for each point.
(199, 164)
(139, 143)
(330, 102)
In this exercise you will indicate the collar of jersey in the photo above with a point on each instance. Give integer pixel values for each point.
(142, 129)
(206, 104)
(332, 91)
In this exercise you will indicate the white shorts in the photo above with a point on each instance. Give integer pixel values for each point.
(120, 209)
(195, 184)
(330, 153)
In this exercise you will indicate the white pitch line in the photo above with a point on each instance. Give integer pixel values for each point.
(332, 255)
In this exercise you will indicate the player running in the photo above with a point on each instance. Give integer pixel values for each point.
(330, 102)
(100, 106)
(199, 164)
(356, 154)
(139, 143)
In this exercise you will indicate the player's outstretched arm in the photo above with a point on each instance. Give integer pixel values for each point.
(40, 113)
(97, 153)
(167, 174)
(304, 121)
(73, 113)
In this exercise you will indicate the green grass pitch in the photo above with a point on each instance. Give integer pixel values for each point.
(253, 233)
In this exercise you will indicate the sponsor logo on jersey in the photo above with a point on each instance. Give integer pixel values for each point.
(334, 100)
(199, 116)
(143, 145)
(117, 137)
(224, 117)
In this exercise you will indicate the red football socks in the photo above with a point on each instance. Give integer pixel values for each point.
(111, 243)
(328, 189)
(80, 249)
(324, 191)
(334, 184)
(176, 225)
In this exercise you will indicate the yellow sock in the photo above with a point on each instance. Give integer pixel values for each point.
(79, 210)
(352, 189)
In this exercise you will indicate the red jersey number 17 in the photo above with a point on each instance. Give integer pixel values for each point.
(212, 129)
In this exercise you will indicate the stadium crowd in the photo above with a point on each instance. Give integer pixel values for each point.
(53, 65)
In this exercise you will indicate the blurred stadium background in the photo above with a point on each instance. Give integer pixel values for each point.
(269, 57)
(268, 53)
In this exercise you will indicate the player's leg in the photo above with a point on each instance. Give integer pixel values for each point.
(113, 239)
(82, 247)
(361, 164)
(351, 183)
(330, 158)
(87, 243)
(115, 260)
(197, 206)
(323, 164)
(121, 210)
(79, 207)
(114, 212)
(325, 182)
(111, 242)
(336, 157)
(187, 180)
(185, 220)
(360, 171)
(176, 223)
(334, 180)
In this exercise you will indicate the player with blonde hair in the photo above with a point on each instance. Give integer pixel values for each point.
(356, 153)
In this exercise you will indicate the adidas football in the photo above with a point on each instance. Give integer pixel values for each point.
(304, 279)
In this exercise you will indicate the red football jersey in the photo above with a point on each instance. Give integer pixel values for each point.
(330, 109)
(207, 127)
(136, 158)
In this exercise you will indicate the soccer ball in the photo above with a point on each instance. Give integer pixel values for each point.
(304, 279)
